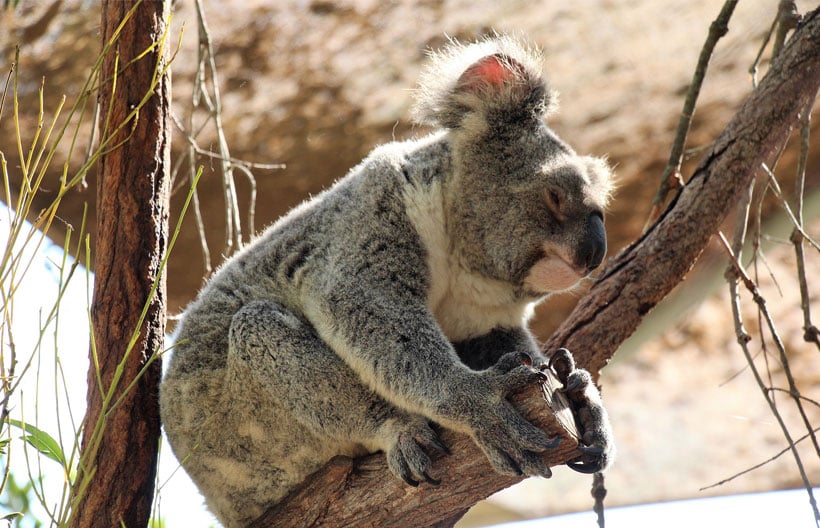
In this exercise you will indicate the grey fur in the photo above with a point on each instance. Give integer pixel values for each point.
(332, 332)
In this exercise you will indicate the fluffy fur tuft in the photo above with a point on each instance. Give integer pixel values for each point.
(496, 75)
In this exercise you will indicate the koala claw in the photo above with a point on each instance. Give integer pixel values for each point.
(407, 458)
(511, 360)
(437, 445)
(430, 480)
(593, 460)
(576, 382)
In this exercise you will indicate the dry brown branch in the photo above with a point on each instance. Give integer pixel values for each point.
(365, 494)
(758, 465)
(811, 334)
(671, 179)
(743, 339)
(635, 280)
(785, 21)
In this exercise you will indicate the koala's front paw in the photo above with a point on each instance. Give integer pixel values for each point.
(510, 442)
(597, 444)
(406, 456)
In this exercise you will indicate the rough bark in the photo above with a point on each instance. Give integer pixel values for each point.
(362, 492)
(639, 277)
(132, 219)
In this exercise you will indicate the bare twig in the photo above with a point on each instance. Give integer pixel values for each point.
(756, 466)
(804, 398)
(786, 20)
(743, 339)
(205, 94)
(795, 219)
(671, 178)
(233, 224)
(811, 334)
(599, 493)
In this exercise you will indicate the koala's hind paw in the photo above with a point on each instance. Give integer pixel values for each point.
(407, 458)
(597, 445)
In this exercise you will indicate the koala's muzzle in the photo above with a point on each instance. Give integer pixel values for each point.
(592, 249)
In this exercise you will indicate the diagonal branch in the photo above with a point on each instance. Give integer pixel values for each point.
(634, 281)
(363, 493)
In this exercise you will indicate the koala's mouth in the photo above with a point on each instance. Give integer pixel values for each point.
(552, 274)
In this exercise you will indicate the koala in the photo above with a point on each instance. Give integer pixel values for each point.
(397, 301)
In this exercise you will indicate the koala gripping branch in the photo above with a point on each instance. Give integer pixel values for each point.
(364, 493)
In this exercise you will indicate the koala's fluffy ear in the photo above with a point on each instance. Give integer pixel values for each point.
(495, 80)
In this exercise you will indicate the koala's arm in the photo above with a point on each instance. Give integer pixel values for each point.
(380, 326)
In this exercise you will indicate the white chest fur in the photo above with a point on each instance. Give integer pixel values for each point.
(464, 303)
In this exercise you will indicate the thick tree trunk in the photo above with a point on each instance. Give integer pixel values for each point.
(363, 493)
(116, 481)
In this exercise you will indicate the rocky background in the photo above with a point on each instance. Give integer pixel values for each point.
(316, 84)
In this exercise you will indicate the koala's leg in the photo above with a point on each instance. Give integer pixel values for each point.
(306, 378)
(597, 443)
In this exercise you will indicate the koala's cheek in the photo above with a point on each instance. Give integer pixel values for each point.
(550, 275)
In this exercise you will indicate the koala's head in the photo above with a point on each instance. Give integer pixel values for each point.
(522, 206)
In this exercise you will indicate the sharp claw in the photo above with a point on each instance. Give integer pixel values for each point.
(561, 353)
(409, 481)
(516, 468)
(595, 451)
(430, 480)
(438, 445)
(582, 467)
(524, 359)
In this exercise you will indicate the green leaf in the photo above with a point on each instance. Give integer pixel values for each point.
(41, 441)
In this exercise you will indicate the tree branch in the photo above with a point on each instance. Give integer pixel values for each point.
(634, 281)
(364, 493)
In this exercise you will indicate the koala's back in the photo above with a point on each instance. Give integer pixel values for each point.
(211, 406)
(293, 252)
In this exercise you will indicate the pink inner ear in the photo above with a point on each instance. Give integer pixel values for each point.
(495, 70)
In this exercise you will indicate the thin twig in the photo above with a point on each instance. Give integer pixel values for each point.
(190, 137)
(795, 220)
(781, 348)
(811, 334)
(804, 398)
(743, 339)
(599, 493)
(756, 62)
(233, 229)
(756, 466)
(671, 178)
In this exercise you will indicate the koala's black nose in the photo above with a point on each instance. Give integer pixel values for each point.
(593, 246)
